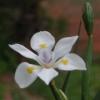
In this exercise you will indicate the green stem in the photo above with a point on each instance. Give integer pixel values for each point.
(53, 89)
(86, 74)
(57, 93)
(65, 84)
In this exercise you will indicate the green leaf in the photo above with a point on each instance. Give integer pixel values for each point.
(86, 74)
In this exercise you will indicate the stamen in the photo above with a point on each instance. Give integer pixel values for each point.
(43, 45)
(64, 61)
(30, 69)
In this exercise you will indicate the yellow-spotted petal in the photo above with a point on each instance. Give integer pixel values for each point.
(43, 45)
(31, 69)
(64, 64)
(25, 74)
(71, 62)
(77, 61)
(42, 40)
(64, 61)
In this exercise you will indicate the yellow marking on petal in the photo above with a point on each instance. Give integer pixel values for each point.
(30, 69)
(64, 61)
(43, 45)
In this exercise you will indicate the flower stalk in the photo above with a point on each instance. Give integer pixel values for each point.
(54, 90)
(88, 23)
(58, 93)
(86, 74)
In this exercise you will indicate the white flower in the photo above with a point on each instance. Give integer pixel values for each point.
(48, 58)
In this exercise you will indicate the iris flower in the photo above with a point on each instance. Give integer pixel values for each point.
(48, 57)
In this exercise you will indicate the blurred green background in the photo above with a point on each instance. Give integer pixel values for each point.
(20, 19)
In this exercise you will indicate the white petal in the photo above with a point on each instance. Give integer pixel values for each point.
(68, 67)
(47, 75)
(64, 46)
(75, 63)
(42, 37)
(22, 77)
(23, 51)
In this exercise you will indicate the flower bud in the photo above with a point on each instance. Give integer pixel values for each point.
(88, 18)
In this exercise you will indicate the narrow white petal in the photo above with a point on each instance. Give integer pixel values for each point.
(47, 75)
(41, 40)
(23, 51)
(75, 62)
(22, 77)
(64, 46)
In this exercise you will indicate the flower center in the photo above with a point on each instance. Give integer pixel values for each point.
(30, 69)
(48, 65)
(43, 45)
(64, 61)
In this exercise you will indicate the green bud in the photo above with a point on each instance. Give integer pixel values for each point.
(88, 18)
